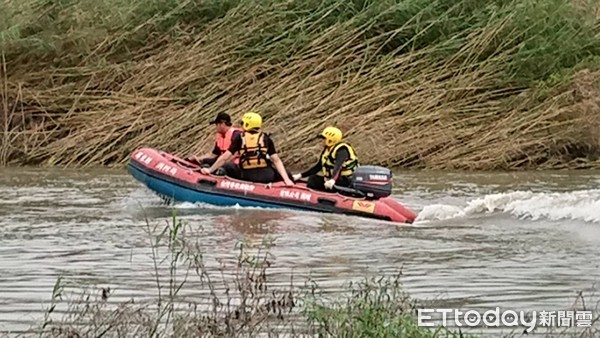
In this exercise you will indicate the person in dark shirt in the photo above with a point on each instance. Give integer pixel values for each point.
(336, 164)
(258, 160)
(225, 132)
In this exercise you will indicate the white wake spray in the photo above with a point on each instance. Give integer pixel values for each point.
(577, 205)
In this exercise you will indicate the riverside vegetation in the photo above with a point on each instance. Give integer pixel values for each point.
(236, 299)
(448, 84)
(240, 298)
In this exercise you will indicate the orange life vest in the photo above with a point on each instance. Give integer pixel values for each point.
(224, 141)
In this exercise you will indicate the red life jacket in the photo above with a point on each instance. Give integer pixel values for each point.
(224, 141)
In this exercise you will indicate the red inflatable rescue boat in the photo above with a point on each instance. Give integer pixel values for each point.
(175, 179)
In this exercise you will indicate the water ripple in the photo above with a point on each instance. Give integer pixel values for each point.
(91, 227)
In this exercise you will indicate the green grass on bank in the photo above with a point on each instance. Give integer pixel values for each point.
(503, 84)
(544, 36)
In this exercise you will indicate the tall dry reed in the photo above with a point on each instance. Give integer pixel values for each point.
(422, 83)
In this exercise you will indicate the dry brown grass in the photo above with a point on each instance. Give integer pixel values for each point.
(405, 110)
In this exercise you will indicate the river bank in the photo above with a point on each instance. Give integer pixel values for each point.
(431, 84)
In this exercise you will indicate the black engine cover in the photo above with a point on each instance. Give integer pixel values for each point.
(374, 181)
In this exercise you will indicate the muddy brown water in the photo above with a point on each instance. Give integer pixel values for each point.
(522, 241)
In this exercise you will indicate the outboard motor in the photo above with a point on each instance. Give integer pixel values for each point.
(373, 181)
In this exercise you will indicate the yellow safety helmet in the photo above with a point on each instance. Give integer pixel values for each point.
(332, 136)
(251, 120)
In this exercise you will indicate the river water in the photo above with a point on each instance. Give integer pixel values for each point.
(522, 241)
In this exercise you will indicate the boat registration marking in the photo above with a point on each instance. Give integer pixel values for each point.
(303, 196)
(237, 186)
(143, 157)
(165, 168)
(363, 206)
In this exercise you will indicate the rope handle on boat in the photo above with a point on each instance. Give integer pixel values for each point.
(337, 187)
(187, 164)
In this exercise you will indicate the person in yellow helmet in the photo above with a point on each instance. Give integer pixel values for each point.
(336, 164)
(258, 159)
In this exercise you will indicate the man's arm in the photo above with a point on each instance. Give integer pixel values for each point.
(205, 157)
(220, 161)
(272, 152)
(235, 146)
(315, 168)
(213, 154)
(281, 169)
(312, 171)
